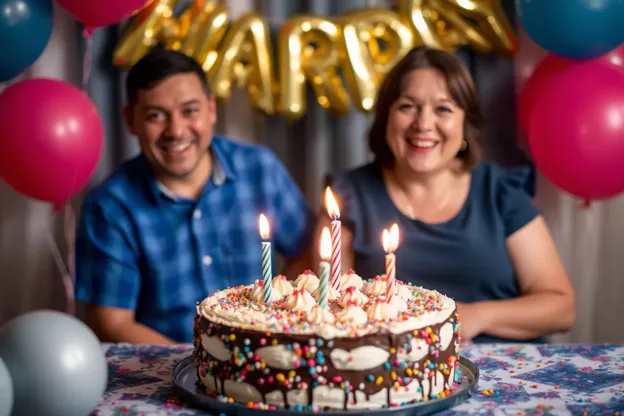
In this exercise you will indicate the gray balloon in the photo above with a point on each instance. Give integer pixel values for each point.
(57, 364)
(6, 390)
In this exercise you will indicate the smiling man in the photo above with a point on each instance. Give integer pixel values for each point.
(180, 220)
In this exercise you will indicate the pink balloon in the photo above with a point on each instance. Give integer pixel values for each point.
(543, 75)
(528, 57)
(576, 131)
(51, 138)
(547, 70)
(615, 58)
(98, 13)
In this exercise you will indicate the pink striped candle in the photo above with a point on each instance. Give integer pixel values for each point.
(336, 239)
(390, 241)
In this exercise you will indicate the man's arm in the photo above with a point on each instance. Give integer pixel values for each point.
(118, 325)
(108, 278)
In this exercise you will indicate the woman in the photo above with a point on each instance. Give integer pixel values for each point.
(468, 228)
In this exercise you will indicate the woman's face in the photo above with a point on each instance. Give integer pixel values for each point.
(425, 127)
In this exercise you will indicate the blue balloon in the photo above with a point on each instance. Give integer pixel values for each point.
(574, 29)
(25, 29)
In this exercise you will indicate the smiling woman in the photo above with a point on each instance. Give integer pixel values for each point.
(470, 229)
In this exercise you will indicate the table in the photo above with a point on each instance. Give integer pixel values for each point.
(515, 380)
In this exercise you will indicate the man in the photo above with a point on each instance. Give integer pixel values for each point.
(180, 220)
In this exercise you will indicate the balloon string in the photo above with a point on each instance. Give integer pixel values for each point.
(86, 63)
(67, 271)
(70, 243)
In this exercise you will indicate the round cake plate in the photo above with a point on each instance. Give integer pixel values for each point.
(185, 379)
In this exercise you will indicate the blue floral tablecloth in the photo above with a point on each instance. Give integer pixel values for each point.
(515, 380)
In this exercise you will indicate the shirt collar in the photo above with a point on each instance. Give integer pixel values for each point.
(221, 154)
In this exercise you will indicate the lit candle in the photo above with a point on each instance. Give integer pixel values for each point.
(267, 276)
(326, 248)
(390, 241)
(336, 238)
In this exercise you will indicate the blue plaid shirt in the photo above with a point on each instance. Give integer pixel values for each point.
(140, 247)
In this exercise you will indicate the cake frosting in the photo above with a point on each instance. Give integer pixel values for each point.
(361, 352)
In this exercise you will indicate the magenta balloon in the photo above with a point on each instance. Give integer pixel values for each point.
(549, 68)
(615, 58)
(99, 13)
(545, 72)
(576, 131)
(51, 138)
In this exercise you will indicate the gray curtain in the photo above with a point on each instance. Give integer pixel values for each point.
(319, 142)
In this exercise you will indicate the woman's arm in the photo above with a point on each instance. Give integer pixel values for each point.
(547, 301)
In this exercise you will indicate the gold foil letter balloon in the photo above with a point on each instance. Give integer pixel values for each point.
(206, 27)
(447, 24)
(365, 63)
(156, 24)
(308, 50)
(245, 58)
(364, 44)
(490, 30)
(142, 33)
(425, 24)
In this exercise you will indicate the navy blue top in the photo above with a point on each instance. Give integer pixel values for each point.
(464, 258)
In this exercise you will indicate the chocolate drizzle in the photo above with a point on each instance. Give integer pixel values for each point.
(246, 366)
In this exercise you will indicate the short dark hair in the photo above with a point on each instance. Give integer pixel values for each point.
(160, 63)
(461, 87)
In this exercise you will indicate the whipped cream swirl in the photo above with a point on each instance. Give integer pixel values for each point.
(377, 287)
(398, 303)
(300, 300)
(308, 281)
(333, 294)
(352, 314)
(353, 296)
(257, 293)
(282, 286)
(381, 310)
(404, 291)
(319, 315)
(350, 278)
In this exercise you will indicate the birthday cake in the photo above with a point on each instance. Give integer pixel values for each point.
(365, 347)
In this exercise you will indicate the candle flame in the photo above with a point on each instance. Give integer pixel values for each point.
(263, 224)
(326, 245)
(390, 239)
(332, 205)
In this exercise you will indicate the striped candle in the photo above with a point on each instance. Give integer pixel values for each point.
(336, 258)
(267, 274)
(336, 239)
(390, 240)
(324, 272)
(390, 276)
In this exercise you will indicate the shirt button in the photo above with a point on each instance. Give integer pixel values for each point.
(207, 260)
(197, 214)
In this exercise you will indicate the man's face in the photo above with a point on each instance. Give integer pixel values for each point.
(173, 122)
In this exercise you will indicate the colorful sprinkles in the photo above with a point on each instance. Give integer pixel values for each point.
(310, 365)
(275, 317)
